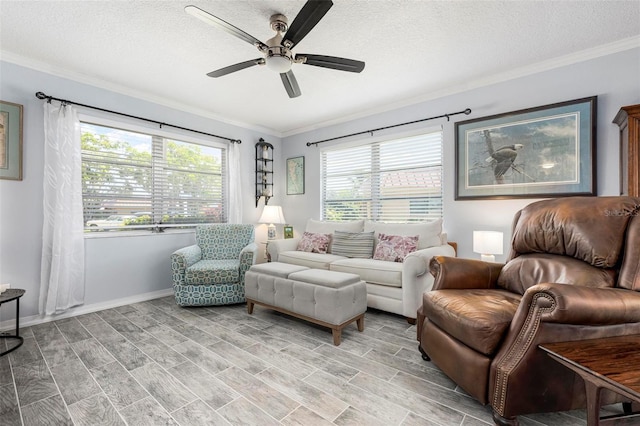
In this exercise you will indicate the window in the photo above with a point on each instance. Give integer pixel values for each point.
(133, 180)
(397, 180)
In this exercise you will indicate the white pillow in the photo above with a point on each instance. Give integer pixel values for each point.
(429, 233)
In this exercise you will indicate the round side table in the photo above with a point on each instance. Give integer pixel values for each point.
(8, 296)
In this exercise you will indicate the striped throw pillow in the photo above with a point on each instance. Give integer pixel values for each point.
(353, 244)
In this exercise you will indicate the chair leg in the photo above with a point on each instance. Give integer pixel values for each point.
(505, 421)
(424, 354)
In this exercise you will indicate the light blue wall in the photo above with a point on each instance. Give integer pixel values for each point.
(615, 79)
(116, 268)
(119, 268)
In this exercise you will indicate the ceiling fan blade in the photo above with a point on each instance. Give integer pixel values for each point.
(310, 14)
(290, 84)
(236, 67)
(333, 62)
(224, 25)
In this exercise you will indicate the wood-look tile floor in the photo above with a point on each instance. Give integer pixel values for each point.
(154, 363)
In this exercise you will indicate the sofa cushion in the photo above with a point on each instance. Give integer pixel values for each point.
(314, 243)
(209, 272)
(310, 260)
(429, 233)
(530, 269)
(394, 248)
(353, 244)
(479, 318)
(371, 270)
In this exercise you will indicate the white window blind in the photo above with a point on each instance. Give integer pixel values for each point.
(392, 181)
(133, 180)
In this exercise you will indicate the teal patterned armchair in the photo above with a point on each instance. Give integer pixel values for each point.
(211, 272)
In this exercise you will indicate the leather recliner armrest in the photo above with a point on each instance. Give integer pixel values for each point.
(458, 273)
(574, 304)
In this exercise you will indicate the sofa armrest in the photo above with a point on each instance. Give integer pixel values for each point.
(181, 259)
(275, 247)
(456, 273)
(248, 257)
(416, 278)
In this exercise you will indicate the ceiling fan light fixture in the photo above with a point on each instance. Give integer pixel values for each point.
(278, 63)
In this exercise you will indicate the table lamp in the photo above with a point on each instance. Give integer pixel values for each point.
(272, 215)
(487, 243)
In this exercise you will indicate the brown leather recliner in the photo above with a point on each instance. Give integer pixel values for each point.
(573, 273)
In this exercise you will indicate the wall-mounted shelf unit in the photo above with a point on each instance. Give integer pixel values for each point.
(264, 171)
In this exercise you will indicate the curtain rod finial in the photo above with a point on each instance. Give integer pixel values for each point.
(41, 95)
(467, 111)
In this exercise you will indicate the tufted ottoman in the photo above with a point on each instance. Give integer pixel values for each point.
(328, 298)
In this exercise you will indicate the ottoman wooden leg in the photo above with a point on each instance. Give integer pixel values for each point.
(337, 334)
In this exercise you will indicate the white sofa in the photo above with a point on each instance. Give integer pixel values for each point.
(391, 286)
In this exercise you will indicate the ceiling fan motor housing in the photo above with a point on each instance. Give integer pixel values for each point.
(277, 56)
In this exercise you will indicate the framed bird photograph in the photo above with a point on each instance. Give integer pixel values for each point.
(546, 151)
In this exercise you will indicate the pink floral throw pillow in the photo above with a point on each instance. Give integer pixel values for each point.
(394, 248)
(314, 243)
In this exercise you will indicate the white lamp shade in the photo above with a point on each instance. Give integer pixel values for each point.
(488, 242)
(272, 215)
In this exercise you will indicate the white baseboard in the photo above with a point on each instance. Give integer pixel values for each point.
(85, 309)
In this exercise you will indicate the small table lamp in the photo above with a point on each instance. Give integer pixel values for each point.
(272, 215)
(487, 243)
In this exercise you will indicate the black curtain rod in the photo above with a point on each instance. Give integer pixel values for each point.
(41, 95)
(466, 112)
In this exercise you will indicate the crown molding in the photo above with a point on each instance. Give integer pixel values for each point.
(561, 61)
(127, 91)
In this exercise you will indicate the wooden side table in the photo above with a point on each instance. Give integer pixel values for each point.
(611, 363)
(8, 296)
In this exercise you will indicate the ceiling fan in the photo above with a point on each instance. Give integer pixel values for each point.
(277, 50)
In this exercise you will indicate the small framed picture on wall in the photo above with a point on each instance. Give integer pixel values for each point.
(295, 176)
(288, 231)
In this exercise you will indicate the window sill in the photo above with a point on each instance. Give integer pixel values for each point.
(140, 233)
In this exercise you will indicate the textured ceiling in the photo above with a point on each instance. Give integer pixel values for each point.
(412, 49)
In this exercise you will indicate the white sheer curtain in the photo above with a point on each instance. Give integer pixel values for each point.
(235, 184)
(62, 266)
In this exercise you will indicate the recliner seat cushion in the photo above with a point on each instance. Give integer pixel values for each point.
(207, 272)
(531, 269)
(479, 318)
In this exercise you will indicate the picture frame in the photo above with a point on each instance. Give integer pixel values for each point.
(10, 141)
(546, 151)
(288, 232)
(295, 175)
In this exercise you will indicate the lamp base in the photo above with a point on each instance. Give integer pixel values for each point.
(271, 232)
(487, 258)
